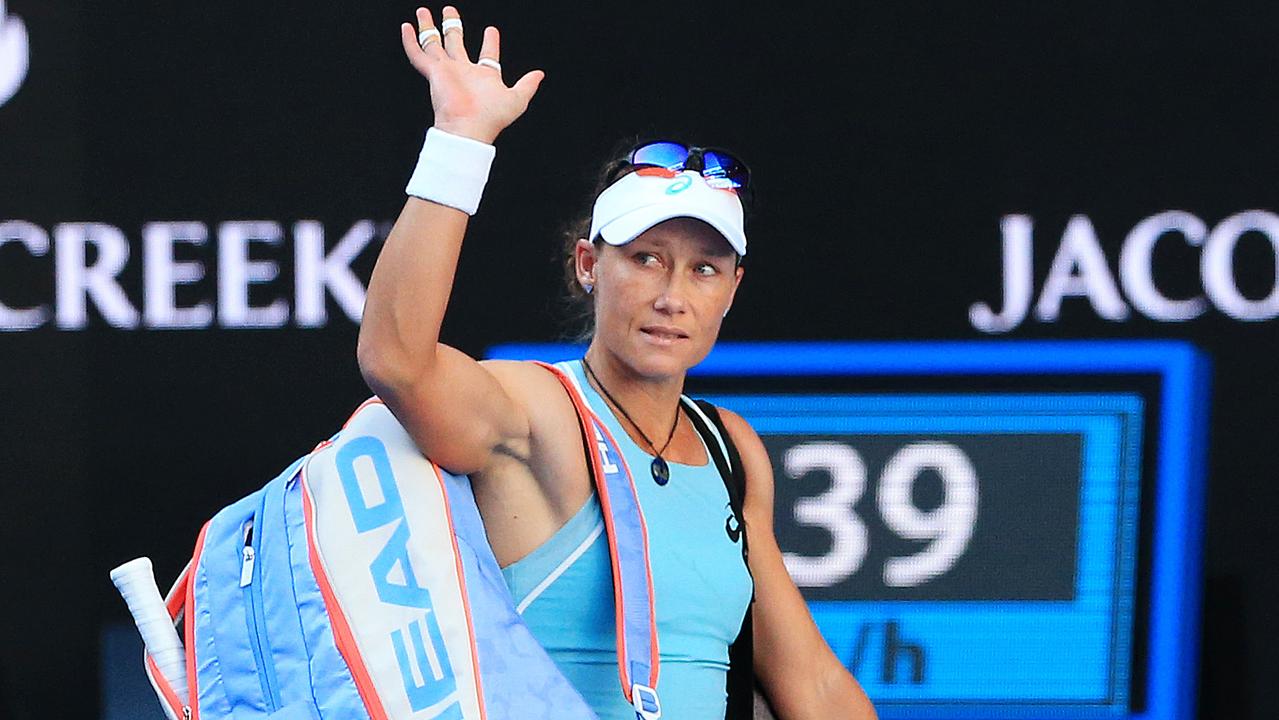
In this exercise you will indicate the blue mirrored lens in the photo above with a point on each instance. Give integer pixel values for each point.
(723, 170)
(662, 154)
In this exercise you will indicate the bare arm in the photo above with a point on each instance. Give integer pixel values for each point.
(456, 409)
(800, 675)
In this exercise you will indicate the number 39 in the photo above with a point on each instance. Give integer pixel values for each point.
(949, 527)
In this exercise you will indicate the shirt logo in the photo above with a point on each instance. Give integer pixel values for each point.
(14, 55)
(732, 527)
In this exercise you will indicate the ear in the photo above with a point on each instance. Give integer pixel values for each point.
(737, 281)
(584, 261)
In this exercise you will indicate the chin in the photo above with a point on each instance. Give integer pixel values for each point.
(664, 362)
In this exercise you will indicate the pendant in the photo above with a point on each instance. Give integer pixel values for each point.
(661, 471)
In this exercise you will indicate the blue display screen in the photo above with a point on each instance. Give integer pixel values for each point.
(985, 530)
(963, 552)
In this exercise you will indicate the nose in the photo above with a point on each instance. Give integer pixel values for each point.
(673, 298)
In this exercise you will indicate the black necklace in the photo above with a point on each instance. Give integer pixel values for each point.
(661, 471)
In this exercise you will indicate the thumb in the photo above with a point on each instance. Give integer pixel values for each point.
(526, 86)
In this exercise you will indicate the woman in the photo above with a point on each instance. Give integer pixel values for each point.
(660, 293)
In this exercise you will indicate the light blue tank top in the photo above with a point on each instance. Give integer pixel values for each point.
(564, 588)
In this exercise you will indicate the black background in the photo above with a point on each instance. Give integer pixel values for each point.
(886, 141)
(1024, 541)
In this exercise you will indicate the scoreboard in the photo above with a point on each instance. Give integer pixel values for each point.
(986, 530)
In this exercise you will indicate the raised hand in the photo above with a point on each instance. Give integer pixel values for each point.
(469, 98)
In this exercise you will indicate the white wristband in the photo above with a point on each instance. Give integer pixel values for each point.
(451, 170)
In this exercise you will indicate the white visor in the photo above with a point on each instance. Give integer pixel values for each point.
(637, 202)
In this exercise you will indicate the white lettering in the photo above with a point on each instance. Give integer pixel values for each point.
(1217, 266)
(1080, 251)
(97, 275)
(1016, 231)
(76, 280)
(162, 274)
(1080, 269)
(832, 511)
(236, 272)
(1136, 272)
(948, 527)
(36, 241)
(315, 271)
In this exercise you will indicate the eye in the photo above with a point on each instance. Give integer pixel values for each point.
(706, 269)
(645, 258)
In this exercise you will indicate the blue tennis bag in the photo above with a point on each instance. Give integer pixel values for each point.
(359, 584)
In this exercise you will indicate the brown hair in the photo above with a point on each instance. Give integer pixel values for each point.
(578, 304)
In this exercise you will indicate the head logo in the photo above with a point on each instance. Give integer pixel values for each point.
(13, 54)
(682, 183)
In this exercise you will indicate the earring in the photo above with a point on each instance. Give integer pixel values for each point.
(725, 313)
(588, 287)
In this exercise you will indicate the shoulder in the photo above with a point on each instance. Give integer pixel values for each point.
(533, 387)
(741, 432)
(744, 437)
(521, 376)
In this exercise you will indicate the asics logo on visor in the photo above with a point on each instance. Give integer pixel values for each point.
(682, 183)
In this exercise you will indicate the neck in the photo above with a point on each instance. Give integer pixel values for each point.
(652, 403)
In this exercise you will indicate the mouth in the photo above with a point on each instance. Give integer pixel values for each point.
(662, 335)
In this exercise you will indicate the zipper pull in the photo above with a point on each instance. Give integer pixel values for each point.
(246, 569)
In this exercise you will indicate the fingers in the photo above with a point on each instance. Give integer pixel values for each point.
(408, 38)
(492, 47)
(422, 44)
(449, 45)
(526, 86)
(420, 61)
(428, 38)
(452, 29)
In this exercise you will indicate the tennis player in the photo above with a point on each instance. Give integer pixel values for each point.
(660, 263)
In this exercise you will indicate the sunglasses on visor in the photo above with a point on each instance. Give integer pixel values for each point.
(720, 168)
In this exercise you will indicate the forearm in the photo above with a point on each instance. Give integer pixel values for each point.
(840, 696)
(409, 291)
(411, 283)
(824, 691)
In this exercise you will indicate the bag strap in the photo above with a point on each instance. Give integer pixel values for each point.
(705, 418)
(627, 532)
(741, 662)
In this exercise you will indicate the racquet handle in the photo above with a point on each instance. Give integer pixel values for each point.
(136, 582)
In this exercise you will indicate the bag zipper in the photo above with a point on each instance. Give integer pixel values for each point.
(256, 618)
(168, 696)
(174, 705)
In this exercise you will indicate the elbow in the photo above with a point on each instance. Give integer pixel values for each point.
(390, 369)
(384, 370)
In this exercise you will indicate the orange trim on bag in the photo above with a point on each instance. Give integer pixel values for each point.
(375, 400)
(466, 598)
(341, 627)
(654, 655)
(587, 418)
(161, 683)
(342, 635)
(174, 603)
(177, 596)
(188, 626)
(590, 420)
